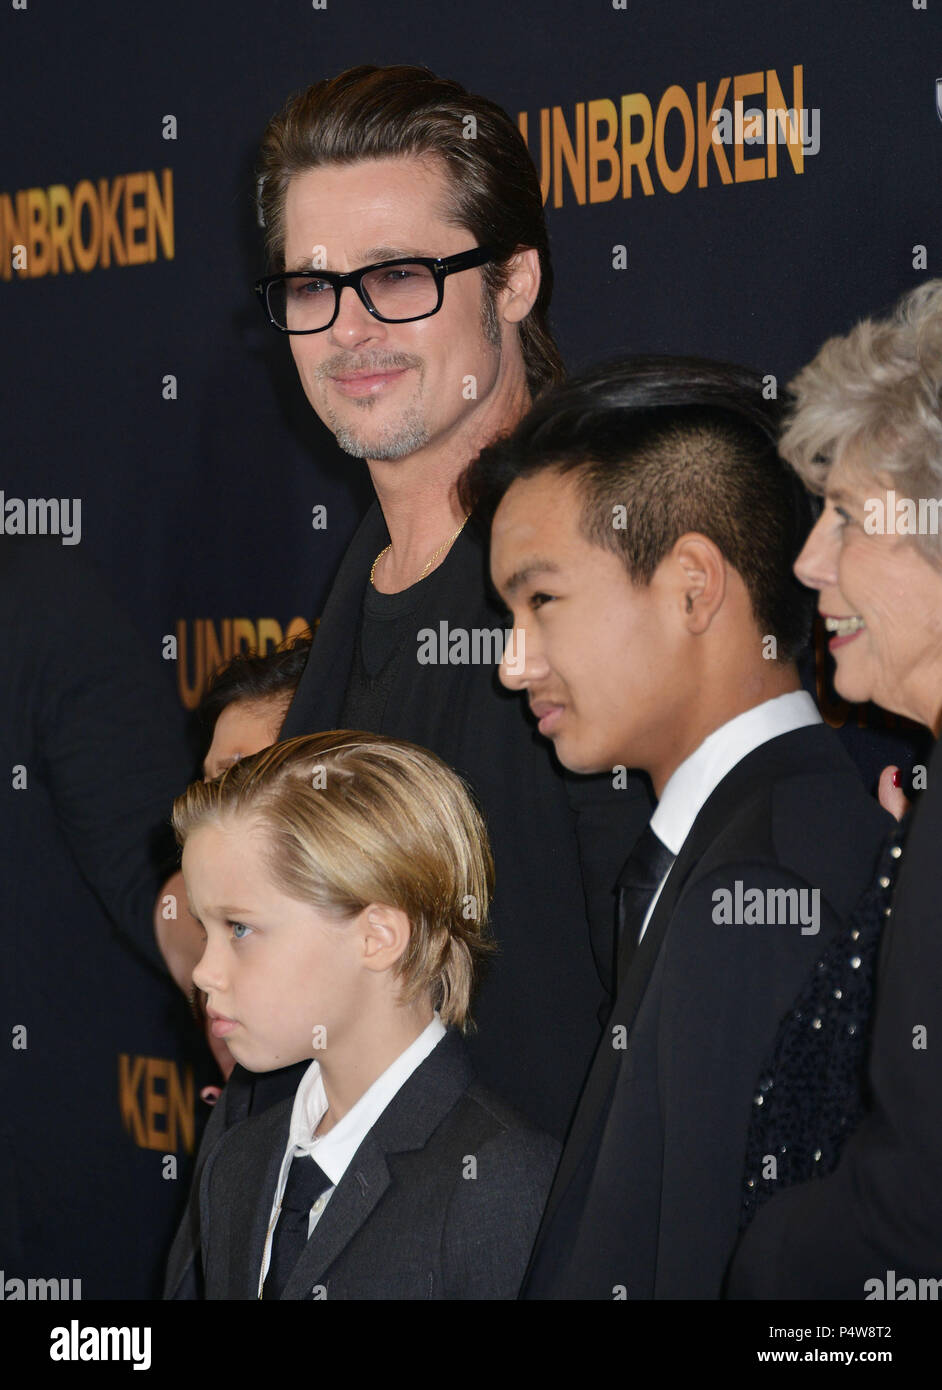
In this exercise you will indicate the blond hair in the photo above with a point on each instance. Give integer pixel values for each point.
(875, 396)
(353, 818)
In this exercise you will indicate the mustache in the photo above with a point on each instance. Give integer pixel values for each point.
(343, 362)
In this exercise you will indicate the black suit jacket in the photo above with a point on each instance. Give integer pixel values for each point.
(441, 1200)
(881, 1208)
(647, 1200)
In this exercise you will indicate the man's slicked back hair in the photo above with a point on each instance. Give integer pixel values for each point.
(661, 446)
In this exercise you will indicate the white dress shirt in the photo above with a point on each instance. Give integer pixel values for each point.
(691, 784)
(334, 1150)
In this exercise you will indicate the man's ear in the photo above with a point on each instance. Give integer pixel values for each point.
(384, 933)
(700, 579)
(519, 294)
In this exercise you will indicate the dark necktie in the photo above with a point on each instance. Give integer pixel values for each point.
(637, 883)
(306, 1182)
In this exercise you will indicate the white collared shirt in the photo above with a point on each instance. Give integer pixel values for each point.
(334, 1150)
(691, 784)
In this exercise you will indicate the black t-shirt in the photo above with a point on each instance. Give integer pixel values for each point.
(386, 628)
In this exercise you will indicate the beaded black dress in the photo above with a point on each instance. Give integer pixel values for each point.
(812, 1090)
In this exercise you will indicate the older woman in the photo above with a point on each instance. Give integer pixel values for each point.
(866, 431)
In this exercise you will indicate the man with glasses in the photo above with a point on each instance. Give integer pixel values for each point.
(411, 275)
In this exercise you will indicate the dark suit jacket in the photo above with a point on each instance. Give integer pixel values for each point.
(647, 1200)
(881, 1209)
(412, 1217)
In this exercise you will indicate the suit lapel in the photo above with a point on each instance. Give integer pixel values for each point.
(358, 1192)
(407, 1124)
(788, 753)
(774, 759)
(253, 1164)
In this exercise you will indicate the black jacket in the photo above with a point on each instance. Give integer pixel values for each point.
(441, 1200)
(881, 1209)
(647, 1200)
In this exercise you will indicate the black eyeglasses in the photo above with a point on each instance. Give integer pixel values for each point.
(399, 291)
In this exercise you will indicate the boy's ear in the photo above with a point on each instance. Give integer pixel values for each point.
(384, 932)
(700, 579)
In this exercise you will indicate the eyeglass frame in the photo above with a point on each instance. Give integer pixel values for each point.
(440, 266)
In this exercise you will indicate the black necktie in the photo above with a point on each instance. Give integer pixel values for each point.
(644, 869)
(306, 1182)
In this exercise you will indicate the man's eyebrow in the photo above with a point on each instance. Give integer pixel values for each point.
(371, 256)
(302, 268)
(389, 253)
(526, 573)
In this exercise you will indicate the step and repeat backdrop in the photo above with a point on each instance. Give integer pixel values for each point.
(739, 181)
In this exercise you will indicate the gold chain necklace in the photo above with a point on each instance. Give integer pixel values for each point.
(450, 541)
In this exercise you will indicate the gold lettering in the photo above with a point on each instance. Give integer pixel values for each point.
(190, 691)
(243, 635)
(156, 1103)
(674, 99)
(753, 167)
(128, 1082)
(135, 219)
(706, 129)
(603, 190)
(37, 213)
(269, 634)
(299, 627)
(86, 255)
(216, 654)
(110, 231)
(791, 130)
(635, 152)
(60, 227)
(160, 215)
(182, 1106)
(573, 156)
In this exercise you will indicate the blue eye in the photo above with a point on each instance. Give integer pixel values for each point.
(398, 275)
(307, 289)
(239, 931)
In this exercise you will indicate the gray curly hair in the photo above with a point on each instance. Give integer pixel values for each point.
(874, 399)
